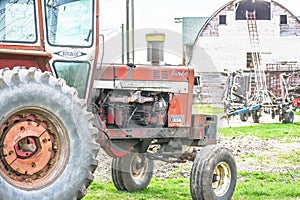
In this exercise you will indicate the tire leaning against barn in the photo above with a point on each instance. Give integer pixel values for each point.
(213, 174)
(48, 142)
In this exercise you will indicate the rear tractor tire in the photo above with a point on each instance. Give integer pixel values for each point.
(132, 172)
(213, 174)
(47, 139)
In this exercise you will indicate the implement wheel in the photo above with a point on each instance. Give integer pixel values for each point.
(244, 117)
(255, 116)
(213, 174)
(132, 172)
(47, 138)
(288, 117)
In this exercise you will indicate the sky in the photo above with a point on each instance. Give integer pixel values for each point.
(156, 15)
(161, 13)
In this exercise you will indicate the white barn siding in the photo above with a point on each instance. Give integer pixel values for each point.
(225, 46)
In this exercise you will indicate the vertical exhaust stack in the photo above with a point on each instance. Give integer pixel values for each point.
(130, 31)
(155, 47)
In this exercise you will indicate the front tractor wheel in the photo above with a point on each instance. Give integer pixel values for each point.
(47, 139)
(132, 172)
(213, 174)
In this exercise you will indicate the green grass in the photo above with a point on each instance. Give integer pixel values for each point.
(278, 158)
(266, 131)
(297, 113)
(250, 186)
(261, 185)
(158, 189)
(205, 109)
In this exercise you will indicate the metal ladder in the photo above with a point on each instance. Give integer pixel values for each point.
(258, 92)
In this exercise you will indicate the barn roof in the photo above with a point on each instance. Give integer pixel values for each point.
(190, 28)
(235, 2)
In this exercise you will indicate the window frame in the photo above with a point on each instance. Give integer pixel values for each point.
(283, 20)
(222, 19)
(88, 64)
(91, 35)
(35, 29)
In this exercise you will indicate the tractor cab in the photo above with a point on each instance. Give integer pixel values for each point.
(53, 35)
(47, 137)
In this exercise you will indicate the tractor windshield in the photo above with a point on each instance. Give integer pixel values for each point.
(70, 22)
(17, 21)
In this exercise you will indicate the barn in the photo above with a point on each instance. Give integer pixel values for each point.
(223, 43)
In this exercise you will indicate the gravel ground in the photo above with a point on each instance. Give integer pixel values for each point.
(251, 154)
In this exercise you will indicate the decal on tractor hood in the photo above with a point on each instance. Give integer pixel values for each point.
(176, 118)
(70, 53)
(179, 73)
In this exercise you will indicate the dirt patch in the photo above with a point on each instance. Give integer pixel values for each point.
(251, 154)
(268, 155)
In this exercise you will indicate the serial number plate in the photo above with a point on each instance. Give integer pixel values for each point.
(176, 118)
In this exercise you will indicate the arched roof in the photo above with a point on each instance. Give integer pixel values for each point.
(233, 3)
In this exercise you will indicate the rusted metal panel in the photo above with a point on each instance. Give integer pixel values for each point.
(273, 72)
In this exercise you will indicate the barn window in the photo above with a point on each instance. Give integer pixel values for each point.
(283, 19)
(262, 9)
(249, 60)
(222, 19)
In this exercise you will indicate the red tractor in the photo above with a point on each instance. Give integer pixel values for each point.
(59, 105)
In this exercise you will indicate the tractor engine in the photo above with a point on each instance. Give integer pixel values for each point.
(128, 109)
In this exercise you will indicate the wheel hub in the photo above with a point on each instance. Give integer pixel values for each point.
(27, 147)
(138, 167)
(31, 156)
(221, 179)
